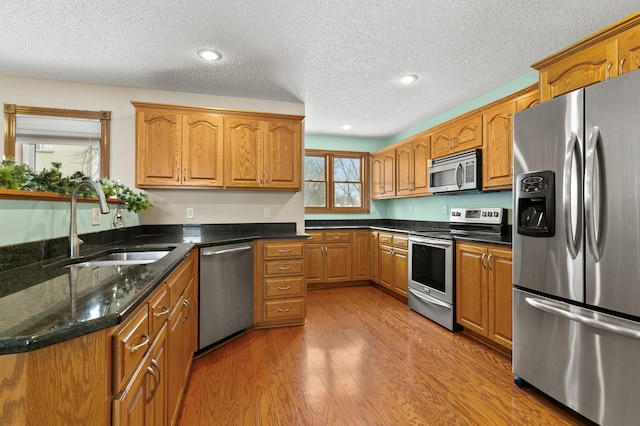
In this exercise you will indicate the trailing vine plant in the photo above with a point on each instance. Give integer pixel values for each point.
(20, 176)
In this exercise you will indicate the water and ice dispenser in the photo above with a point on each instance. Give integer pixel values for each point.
(535, 204)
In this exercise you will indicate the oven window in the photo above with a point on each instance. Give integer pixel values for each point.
(428, 266)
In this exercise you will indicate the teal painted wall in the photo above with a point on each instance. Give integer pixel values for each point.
(431, 208)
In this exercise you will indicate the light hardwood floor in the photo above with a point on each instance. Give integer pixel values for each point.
(363, 358)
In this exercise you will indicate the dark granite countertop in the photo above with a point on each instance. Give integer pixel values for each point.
(46, 302)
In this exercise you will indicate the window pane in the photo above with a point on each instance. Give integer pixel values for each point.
(347, 195)
(346, 169)
(314, 168)
(315, 194)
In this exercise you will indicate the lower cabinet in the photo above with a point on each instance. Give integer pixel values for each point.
(393, 262)
(373, 256)
(484, 291)
(279, 282)
(153, 350)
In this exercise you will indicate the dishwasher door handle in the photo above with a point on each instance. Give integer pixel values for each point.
(217, 252)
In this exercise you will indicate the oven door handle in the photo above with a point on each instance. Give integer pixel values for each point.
(429, 299)
(437, 243)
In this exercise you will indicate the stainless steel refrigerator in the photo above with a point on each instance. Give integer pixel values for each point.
(576, 249)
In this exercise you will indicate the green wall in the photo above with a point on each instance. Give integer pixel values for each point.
(431, 208)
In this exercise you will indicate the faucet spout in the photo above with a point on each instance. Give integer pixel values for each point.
(74, 241)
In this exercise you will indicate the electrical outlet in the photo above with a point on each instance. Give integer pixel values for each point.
(95, 216)
(445, 209)
(411, 210)
(267, 212)
(190, 213)
(373, 208)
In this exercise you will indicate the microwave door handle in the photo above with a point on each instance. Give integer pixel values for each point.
(459, 175)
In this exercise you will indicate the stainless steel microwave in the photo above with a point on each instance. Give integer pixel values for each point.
(458, 172)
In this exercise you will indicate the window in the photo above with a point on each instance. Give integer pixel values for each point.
(336, 182)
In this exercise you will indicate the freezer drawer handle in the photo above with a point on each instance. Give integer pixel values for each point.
(602, 325)
(429, 299)
(212, 253)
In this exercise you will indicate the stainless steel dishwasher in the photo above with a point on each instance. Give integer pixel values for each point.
(226, 291)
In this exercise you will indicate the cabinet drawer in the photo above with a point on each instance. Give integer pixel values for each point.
(283, 250)
(385, 238)
(401, 241)
(337, 237)
(284, 267)
(315, 236)
(130, 345)
(158, 310)
(178, 280)
(284, 309)
(280, 287)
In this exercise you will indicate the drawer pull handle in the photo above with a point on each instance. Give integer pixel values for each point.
(284, 309)
(164, 311)
(337, 237)
(155, 380)
(282, 251)
(284, 288)
(284, 268)
(145, 336)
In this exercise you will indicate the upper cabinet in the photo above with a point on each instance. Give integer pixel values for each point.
(263, 154)
(196, 147)
(608, 53)
(456, 136)
(383, 174)
(412, 158)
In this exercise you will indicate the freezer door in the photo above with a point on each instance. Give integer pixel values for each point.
(550, 137)
(612, 194)
(584, 359)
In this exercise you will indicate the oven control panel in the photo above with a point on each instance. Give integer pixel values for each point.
(484, 215)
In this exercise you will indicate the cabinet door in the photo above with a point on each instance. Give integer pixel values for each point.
(497, 152)
(314, 263)
(629, 45)
(596, 63)
(471, 288)
(400, 272)
(376, 176)
(500, 297)
(176, 361)
(528, 100)
(373, 256)
(441, 143)
(202, 150)
(338, 261)
(282, 155)
(389, 174)
(404, 168)
(156, 384)
(468, 134)
(158, 148)
(243, 153)
(360, 255)
(420, 161)
(385, 267)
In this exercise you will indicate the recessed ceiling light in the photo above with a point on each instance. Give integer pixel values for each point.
(408, 79)
(209, 55)
(345, 127)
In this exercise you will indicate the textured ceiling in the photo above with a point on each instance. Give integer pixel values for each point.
(339, 57)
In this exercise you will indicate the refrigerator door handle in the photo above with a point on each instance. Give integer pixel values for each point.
(589, 194)
(595, 323)
(573, 152)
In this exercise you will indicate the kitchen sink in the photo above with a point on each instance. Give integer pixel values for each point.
(123, 258)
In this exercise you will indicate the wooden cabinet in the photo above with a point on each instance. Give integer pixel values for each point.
(412, 158)
(329, 257)
(279, 282)
(383, 174)
(177, 148)
(459, 135)
(360, 255)
(606, 54)
(200, 147)
(393, 262)
(182, 287)
(262, 154)
(373, 256)
(483, 291)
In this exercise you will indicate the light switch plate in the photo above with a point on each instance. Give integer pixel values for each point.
(190, 213)
(95, 216)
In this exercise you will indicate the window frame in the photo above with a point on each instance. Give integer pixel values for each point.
(365, 182)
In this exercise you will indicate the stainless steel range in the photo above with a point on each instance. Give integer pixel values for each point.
(431, 261)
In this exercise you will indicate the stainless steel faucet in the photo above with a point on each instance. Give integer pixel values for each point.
(74, 241)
